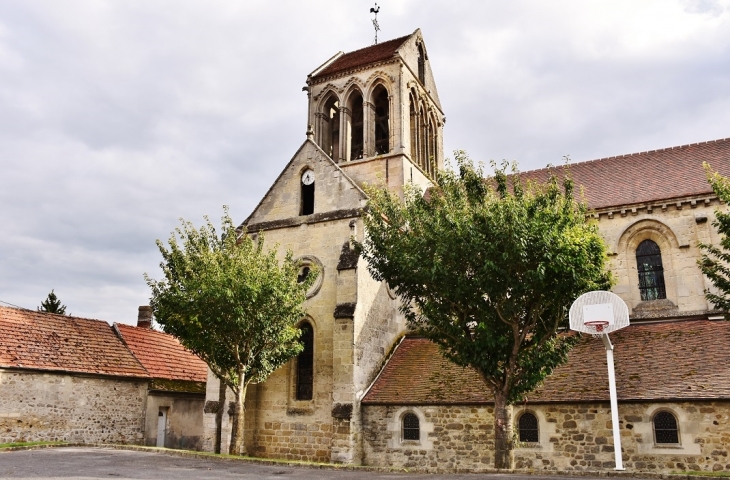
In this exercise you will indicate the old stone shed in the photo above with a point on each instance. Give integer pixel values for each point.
(73, 379)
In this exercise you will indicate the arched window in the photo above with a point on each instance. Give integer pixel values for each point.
(331, 128)
(307, 193)
(305, 364)
(382, 120)
(528, 428)
(356, 126)
(421, 64)
(665, 428)
(411, 427)
(651, 271)
(414, 131)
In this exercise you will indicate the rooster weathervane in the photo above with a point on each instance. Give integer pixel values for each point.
(375, 10)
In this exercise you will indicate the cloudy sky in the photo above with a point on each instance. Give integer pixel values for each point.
(119, 117)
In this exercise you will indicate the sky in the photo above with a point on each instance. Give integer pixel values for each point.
(118, 118)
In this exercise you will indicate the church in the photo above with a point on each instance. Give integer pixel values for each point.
(363, 391)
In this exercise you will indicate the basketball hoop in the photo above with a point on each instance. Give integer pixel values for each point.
(595, 328)
(600, 313)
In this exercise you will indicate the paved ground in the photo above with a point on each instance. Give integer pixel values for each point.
(100, 463)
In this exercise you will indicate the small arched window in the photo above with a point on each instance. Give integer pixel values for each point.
(305, 364)
(528, 428)
(651, 271)
(356, 126)
(665, 428)
(382, 120)
(411, 427)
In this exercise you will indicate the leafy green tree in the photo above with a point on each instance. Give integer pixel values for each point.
(488, 269)
(715, 260)
(232, 303)
(52, 305)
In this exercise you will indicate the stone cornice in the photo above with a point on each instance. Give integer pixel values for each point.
(303, 220)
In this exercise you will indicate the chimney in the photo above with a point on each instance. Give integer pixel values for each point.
(144, 318)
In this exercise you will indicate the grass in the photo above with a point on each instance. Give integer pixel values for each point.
(699, 473)
(28, 444)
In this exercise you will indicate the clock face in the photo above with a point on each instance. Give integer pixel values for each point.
(308, 177)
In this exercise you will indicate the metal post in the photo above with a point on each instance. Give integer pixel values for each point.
(614, 403)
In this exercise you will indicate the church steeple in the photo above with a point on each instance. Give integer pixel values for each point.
(379, 106)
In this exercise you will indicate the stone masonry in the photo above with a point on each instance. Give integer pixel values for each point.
(573, 437)
(72, 408)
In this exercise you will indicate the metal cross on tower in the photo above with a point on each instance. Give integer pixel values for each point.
(375, 10)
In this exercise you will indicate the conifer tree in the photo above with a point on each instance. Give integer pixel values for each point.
(52, 305)
(715, 261)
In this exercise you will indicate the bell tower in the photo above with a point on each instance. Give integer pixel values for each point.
(377, 114)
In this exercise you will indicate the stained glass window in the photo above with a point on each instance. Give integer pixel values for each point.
(651, 271)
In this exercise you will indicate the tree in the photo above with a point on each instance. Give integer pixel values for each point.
(488, 269)
(232, 303)
(52, 305)
(714, 262)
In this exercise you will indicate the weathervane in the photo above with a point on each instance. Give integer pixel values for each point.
(375, 10)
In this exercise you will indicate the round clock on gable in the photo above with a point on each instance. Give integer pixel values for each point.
(308, 177)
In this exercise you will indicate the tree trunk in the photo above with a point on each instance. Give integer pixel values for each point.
(503, 458)
(236, 447)
(219, 415)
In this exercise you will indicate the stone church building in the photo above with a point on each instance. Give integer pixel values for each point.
(365, 392)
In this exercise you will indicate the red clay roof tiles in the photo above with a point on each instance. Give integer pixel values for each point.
(364, 56)
(43, 341)
(661, 361)
(647, 176)
(162, 355)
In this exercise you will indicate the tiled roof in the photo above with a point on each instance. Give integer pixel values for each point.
(43, 341)
(364, 56)
(647, 176)
(418, 374)
(162, 355)
(661, 361)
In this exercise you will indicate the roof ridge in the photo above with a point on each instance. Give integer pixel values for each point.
(402, 39)
(628, 155)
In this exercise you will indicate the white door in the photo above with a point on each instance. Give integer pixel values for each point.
(161, 426)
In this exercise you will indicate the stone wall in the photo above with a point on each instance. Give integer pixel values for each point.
(60, 407)
(676, 228)
(573, 437)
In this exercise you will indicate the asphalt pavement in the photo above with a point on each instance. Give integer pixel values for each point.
(85, 463)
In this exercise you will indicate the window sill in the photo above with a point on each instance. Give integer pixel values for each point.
(528, 445)
(669, 446)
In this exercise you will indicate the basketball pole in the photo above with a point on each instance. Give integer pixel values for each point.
(614, 403)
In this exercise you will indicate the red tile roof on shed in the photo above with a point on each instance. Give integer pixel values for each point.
(364, 56)
(44, 341)
(662, 361)
(162, 355)
(647, 176)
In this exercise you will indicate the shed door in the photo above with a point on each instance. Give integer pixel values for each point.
(161, 426)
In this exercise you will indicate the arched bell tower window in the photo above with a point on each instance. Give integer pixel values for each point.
(356, 127)
(382, 120)
(651, 271)
(331, 128)
(305, 363)
(307, 193)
